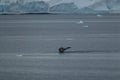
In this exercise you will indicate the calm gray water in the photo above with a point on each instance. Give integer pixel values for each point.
(29, 47)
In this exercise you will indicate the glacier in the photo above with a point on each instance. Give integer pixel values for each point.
(60, 6)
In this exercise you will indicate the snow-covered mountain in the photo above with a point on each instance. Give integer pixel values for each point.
(101, 5)
(35, 6)
(91, 6)
(25, 7)
(64, 8)
(78, 3)
(60, 6)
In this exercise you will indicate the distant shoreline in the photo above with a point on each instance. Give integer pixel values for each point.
(59, 13)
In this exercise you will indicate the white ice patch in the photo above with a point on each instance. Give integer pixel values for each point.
(86, 26)
(69, 39)
(98, 15)
(80, 22)
(20, 55)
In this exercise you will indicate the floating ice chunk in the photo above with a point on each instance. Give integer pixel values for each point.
(69, 39)
(98, 15)
(86, 26)
(20, 55)
(80, 22)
